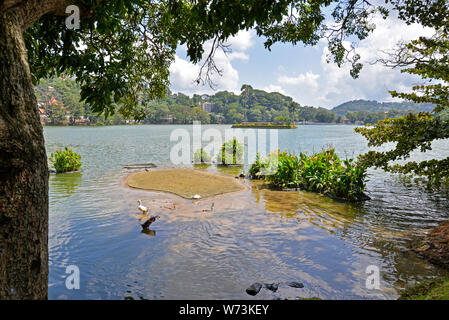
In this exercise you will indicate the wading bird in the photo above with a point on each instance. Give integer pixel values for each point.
(147, 223)
(142, 208)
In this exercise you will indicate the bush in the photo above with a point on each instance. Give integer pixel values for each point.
(255, 171)
(321, 172)
(65, 160)
(231, 152)
(201, 156)
(288, 168)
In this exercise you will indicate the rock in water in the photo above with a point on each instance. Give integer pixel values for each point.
(295, 284)
(272, 286)
(254, 289)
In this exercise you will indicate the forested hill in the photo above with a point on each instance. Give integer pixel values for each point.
(222, 107)
(59, 105)
(374, 106)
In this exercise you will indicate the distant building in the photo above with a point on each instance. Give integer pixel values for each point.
(43, 117)
(167, 120)
(346, 121)
(79, 120)
(52, 102)
(208, 107)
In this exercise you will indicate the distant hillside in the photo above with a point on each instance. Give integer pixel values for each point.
(222, 107)
(374, 106)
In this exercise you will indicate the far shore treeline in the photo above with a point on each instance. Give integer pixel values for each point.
(59, 104)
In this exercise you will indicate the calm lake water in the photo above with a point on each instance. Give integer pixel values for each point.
(253, 236)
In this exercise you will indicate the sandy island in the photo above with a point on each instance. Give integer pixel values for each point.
(184, 182)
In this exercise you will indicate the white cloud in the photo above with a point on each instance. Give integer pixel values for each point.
(184, 73)
(323, 84)
(238, 55)
(307, 81)
(274, 88)
(336, 86)
(242, 41)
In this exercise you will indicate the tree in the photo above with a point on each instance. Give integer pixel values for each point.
(427, 57)
(121, 53)
(293, 108)
(325, 116)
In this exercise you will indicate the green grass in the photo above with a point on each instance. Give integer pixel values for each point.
(434, 290)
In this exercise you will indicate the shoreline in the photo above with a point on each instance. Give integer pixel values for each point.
(189, 124)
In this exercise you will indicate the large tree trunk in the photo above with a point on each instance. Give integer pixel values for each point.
(23, 172)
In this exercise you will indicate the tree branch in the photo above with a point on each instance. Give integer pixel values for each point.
(6, 4)
(32, 10)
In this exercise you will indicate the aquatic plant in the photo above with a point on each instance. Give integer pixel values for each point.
(260, 168)
(287, 173)
(201, 156)
(65, 160)
(321, 172)
(231, 152)
(255, 171)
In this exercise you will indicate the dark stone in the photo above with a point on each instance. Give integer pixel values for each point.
(242, 175)
(272, 286)
(295, 284)
(435, 246)
(254, 289)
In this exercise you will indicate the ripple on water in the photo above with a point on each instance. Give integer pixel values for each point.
(256, 235)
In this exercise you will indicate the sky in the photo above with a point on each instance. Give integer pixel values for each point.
(303, 72)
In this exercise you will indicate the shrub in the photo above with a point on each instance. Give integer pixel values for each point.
(256, 168)
(349, 181)
(260, 168)
(65, 160)
(231, 152)
(288, 170)
(201, 156)
(321, 172)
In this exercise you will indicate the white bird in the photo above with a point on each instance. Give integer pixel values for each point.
(142, 208)
(197, 196)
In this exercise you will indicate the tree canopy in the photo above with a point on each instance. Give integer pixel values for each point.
(428, 58)
(125, 47)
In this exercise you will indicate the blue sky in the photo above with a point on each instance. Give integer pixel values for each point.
(302, 72)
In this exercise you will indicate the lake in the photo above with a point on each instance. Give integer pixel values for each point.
(257, 235)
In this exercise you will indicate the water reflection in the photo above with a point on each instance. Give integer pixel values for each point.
(201, 166)
(229, 170)
(66, 183)
(305, 207)
(149, 232)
